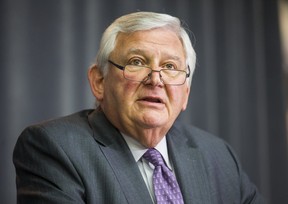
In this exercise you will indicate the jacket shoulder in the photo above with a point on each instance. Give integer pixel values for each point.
(62, 130)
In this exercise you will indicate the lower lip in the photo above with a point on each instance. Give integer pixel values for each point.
(151, 104)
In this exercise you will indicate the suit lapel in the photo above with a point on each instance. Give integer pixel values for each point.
(120, 159)
(189, 168)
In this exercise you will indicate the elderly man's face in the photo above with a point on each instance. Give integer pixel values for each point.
(151, 105)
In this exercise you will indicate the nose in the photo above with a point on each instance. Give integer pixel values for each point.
(154, 78)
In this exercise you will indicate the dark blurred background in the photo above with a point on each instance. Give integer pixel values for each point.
(239, 90)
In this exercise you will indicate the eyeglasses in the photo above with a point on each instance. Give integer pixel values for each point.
(143, 73)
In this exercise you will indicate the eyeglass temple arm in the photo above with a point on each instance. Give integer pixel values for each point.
(188, 74)
(116, 65)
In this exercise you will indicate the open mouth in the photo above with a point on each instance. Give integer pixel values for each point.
(152, 99)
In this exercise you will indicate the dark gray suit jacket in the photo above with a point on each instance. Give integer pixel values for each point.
(83, 158)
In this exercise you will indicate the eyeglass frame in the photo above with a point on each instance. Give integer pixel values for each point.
(123, 68)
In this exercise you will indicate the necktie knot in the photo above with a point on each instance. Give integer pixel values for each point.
(154, 157)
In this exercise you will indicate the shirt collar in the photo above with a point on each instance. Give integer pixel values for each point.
(138, 149)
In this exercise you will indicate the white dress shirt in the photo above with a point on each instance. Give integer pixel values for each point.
(145, 167)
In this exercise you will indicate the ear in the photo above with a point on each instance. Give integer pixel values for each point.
(96, 80)
(187, 92)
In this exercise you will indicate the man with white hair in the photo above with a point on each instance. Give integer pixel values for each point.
(131, 148)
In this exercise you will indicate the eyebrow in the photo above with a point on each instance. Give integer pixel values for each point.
(136, 51)
(145, 51)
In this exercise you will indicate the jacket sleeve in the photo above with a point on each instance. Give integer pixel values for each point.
(44, 173)
(249, 192)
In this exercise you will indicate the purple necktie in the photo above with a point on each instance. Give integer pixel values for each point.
(165, 184)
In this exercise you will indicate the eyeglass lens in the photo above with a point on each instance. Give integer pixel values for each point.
(167, 76)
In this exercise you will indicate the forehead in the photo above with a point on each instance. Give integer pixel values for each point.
(160, 42)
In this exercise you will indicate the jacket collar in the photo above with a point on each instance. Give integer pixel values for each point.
(119, 157)
(188, 164)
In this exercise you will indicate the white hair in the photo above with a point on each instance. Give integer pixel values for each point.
(141, 21)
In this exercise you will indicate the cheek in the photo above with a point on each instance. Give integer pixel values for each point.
(120, 93)
(178, 96)
(128, 92)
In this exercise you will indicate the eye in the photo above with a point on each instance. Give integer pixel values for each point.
(136, 62)
(170, 66)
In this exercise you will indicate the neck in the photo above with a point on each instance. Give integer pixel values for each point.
(147, 137)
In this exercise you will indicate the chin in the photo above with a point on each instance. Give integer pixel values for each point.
(153, 121)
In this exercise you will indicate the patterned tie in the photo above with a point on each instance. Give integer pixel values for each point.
(166, 187)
